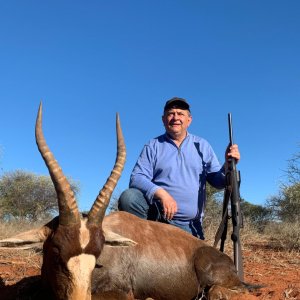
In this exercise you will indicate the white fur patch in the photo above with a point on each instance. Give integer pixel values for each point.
(84, 235)
(81, 268)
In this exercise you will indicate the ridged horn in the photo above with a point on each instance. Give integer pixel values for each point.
(97, 212)
(68, 210)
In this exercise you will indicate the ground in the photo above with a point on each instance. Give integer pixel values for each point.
(278, 270)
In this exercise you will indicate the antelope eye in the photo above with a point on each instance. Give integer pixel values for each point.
(56, 250)
(98, 266)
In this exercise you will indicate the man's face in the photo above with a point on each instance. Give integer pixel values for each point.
(176, 121)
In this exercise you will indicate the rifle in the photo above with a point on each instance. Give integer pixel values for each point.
(232, 194)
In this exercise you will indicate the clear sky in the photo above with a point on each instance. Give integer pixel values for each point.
(88, 60)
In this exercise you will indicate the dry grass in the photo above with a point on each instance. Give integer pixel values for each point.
(278, 236)
(284, 235)
(8, 229)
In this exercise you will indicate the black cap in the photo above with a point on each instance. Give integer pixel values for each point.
(177, 102)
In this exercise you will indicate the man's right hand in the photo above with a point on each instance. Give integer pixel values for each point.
(168, 203)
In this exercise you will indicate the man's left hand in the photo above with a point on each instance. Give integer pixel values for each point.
(233, 152)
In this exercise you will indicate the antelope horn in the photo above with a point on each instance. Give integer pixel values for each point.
(97, 212)
(68, 210)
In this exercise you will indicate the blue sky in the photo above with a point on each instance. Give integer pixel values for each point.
(89, 60)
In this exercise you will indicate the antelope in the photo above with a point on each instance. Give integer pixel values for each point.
(120, 256)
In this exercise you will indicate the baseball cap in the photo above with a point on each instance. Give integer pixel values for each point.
(177, 102)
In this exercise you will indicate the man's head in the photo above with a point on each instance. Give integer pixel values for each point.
(177, 117)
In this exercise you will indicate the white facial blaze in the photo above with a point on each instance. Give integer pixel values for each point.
(84, 235)
(81, 268)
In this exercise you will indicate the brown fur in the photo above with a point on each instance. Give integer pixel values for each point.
(166, 263)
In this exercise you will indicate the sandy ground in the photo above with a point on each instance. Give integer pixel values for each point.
(278, 270)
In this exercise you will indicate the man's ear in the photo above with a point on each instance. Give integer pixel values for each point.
(163, 119)
(190, 119)
(114, 239)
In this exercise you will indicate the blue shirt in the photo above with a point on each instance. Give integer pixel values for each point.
(181, 171)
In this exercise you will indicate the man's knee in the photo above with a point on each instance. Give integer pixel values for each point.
(129, 198)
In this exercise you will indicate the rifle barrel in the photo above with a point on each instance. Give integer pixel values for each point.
(235, 208)
(230, 129)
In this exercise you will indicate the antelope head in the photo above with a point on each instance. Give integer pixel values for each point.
(72, 242)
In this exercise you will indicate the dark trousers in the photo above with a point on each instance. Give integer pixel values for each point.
(133, 201)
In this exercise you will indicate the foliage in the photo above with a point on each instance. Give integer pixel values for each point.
(284, 235)
(293, 169)
(24, 195)
(1, 154)
(213, 209)
(257, 215)
(113, 204)
(286, 205)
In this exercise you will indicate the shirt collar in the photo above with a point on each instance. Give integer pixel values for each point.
(168, 138)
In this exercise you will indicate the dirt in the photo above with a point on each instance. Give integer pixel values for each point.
(277, 270)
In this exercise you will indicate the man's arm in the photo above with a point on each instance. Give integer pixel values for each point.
(142, 179)
(142, 174)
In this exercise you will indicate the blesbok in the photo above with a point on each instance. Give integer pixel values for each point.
(120, 256)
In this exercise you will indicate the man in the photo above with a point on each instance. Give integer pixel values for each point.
(168, 182)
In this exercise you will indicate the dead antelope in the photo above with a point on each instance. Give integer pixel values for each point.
(120, 256)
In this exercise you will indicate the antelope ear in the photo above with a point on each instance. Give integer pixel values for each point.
(114, 239)
(28, 239)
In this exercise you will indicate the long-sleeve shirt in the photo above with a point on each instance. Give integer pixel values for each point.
(181, 171)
